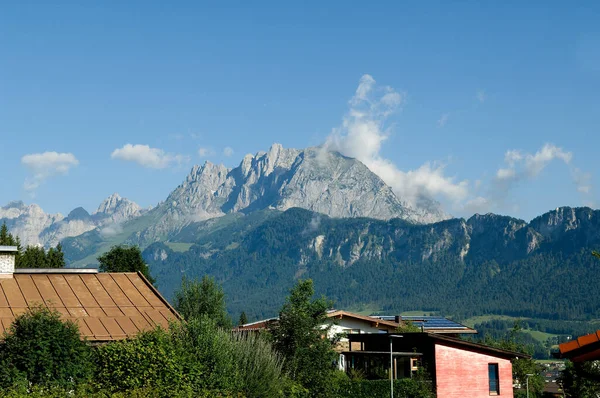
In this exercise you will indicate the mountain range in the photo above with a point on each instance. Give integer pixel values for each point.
(286, 214)
(312, 178)
(35, 227)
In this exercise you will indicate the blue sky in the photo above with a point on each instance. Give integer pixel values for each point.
(496, 107)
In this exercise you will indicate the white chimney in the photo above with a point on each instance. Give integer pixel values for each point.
(7, 261)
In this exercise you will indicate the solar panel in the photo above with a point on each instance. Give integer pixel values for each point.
(427, 322)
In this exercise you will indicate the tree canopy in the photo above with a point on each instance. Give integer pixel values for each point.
(42, 349)
(301, 338)
(202, 298)
(124, 259)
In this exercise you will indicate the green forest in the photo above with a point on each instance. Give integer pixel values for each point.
(391, 266)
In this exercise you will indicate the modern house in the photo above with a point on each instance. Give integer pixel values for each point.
(340, 323)
(458, 368)
(105, 306)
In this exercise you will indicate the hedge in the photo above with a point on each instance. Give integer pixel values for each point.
(403, 388)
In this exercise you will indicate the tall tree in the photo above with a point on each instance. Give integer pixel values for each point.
(33, 257)
(243, 319)
(300, 336)
(55, 257)
(124, 259)
(205, 298)
(4, 235)
(581, 379)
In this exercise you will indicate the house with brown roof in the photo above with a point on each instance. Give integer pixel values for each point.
(105, 306)
(340, 322)
(458, 368)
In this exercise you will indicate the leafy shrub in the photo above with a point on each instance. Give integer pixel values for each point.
(41, 349)
(259, 366)
(403, 388)
(148, 360)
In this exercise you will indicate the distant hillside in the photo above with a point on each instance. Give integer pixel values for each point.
(486, 264)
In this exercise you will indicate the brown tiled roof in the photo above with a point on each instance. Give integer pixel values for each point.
(339, 314)
(105, 306)
(584, 348)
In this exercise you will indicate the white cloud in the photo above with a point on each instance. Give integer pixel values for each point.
(204, 152)
(146, 156)
(505, 174)
(443, 119)
(228, 151)
(537, 162)
(45, 165)
(362, 134)
(522, 167)
(481, 96)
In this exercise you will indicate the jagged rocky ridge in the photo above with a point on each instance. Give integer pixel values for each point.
(35, 227)
(282, 178)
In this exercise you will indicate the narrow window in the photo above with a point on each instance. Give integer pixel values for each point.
(494, 379)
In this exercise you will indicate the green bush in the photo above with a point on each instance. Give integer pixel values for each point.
(148, 360)
(403, 388)
(259, 366)
(42, 350)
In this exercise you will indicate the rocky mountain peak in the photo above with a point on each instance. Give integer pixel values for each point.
(116, 209)
(79, 214)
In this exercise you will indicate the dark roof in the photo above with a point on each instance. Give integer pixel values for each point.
(377, 322)
(105, 306)
(421, 339)
(584, 348)
(434, 324)
(453, 341)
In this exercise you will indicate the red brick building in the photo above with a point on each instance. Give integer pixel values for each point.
(458, 368)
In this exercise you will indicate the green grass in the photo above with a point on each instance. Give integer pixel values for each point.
(365, 309)
(179, 247)
(539, 336)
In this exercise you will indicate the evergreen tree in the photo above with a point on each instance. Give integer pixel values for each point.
(4, 235)
(124, 259)
(33, 257)
(205, 298)
(243, 319)
(55, 257)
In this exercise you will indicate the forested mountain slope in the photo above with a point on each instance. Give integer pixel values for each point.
(486, 264)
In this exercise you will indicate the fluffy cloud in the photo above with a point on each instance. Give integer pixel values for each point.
(528, 165)
(146, 156)
(362, 134)
(521, 167)
(228, 151)
(45, 165)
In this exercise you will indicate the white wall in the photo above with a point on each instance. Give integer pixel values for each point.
(345, 324)
(7, 263)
